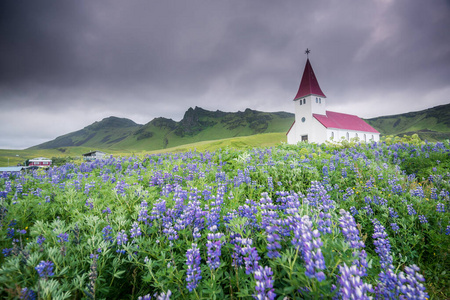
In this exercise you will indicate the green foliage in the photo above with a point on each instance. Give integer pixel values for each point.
(276, 185)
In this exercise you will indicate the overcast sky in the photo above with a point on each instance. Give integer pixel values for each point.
(67, 64)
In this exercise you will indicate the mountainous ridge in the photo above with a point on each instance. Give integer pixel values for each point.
(199, 125)
(196, 125)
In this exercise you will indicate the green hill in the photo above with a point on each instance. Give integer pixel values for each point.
(432, 124)
(197, 125)
(103, 134)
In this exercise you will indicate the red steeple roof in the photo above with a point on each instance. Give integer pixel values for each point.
(309, 84)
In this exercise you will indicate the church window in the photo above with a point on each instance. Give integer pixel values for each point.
(356, 134)
(348, 136)
(320, 100)
(304, 101)
(301, 102)
(332, 135)
(365, 139)
(303, 119)
(317, 100)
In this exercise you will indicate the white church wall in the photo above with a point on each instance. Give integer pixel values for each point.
(339, 134)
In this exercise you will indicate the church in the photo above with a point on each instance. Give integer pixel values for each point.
(315, 124)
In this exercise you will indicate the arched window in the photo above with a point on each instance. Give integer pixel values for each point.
(320, 100)
(304, 101)
(348, 136)
(301, 102)
(356, 134)
(372, 136)
(332, 135)
(365, 138)
(317, 100)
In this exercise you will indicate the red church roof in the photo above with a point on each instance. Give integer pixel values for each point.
(309, 84)
(344, 121)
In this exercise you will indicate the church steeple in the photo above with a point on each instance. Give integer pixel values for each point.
(309, 84)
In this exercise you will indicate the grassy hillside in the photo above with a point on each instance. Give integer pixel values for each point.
(431, 124)
(101, 134)
(13, 157)
(197, 125)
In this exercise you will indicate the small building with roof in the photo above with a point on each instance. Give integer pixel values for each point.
(12, 169)
(313, 123)
(40, 162)
(93, 155)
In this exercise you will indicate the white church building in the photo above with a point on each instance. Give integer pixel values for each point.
(313, 123)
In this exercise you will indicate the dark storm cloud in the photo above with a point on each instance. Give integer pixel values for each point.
(71, 63)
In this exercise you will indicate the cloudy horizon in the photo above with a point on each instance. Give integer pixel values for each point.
(65, 65)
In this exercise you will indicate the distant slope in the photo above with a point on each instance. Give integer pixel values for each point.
(432, 124)
(103, 134)
(197, 125)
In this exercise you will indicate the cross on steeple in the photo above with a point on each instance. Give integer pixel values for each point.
(307, 52)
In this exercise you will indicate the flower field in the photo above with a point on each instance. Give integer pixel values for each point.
(341, 221)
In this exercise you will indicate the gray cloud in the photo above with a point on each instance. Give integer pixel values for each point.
(73, 63)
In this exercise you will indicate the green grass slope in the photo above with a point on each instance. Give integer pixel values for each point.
(200, 125)
(197, 125)
(101, 134)
(432, 124)
(13, 157)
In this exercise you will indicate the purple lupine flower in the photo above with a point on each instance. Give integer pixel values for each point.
(273, 245)
(411, 210)
(170, 232)
(122, 238)
(164, 296)
(45, 269)
(135, 230)
(353, 211)
(264, 284)
(324, 222)
(196, 233)
(418, 192)
(107, 210)
(107, 233)
(143, 213)
(63, 237)
(7, 251)
(251, 259)
(388, 286)
(309, 248)
(158, 210)
(235, 239)
(392, 213)
(447, 230)
(10, 233)
(382, 245)
(440, 207)
(349, 230)
(27, 294)
(214, 246)
(193, 274)
(89, 203)
(423, 219)
(40, 240)
(351, 284)
(395, 227)
(412, 287)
